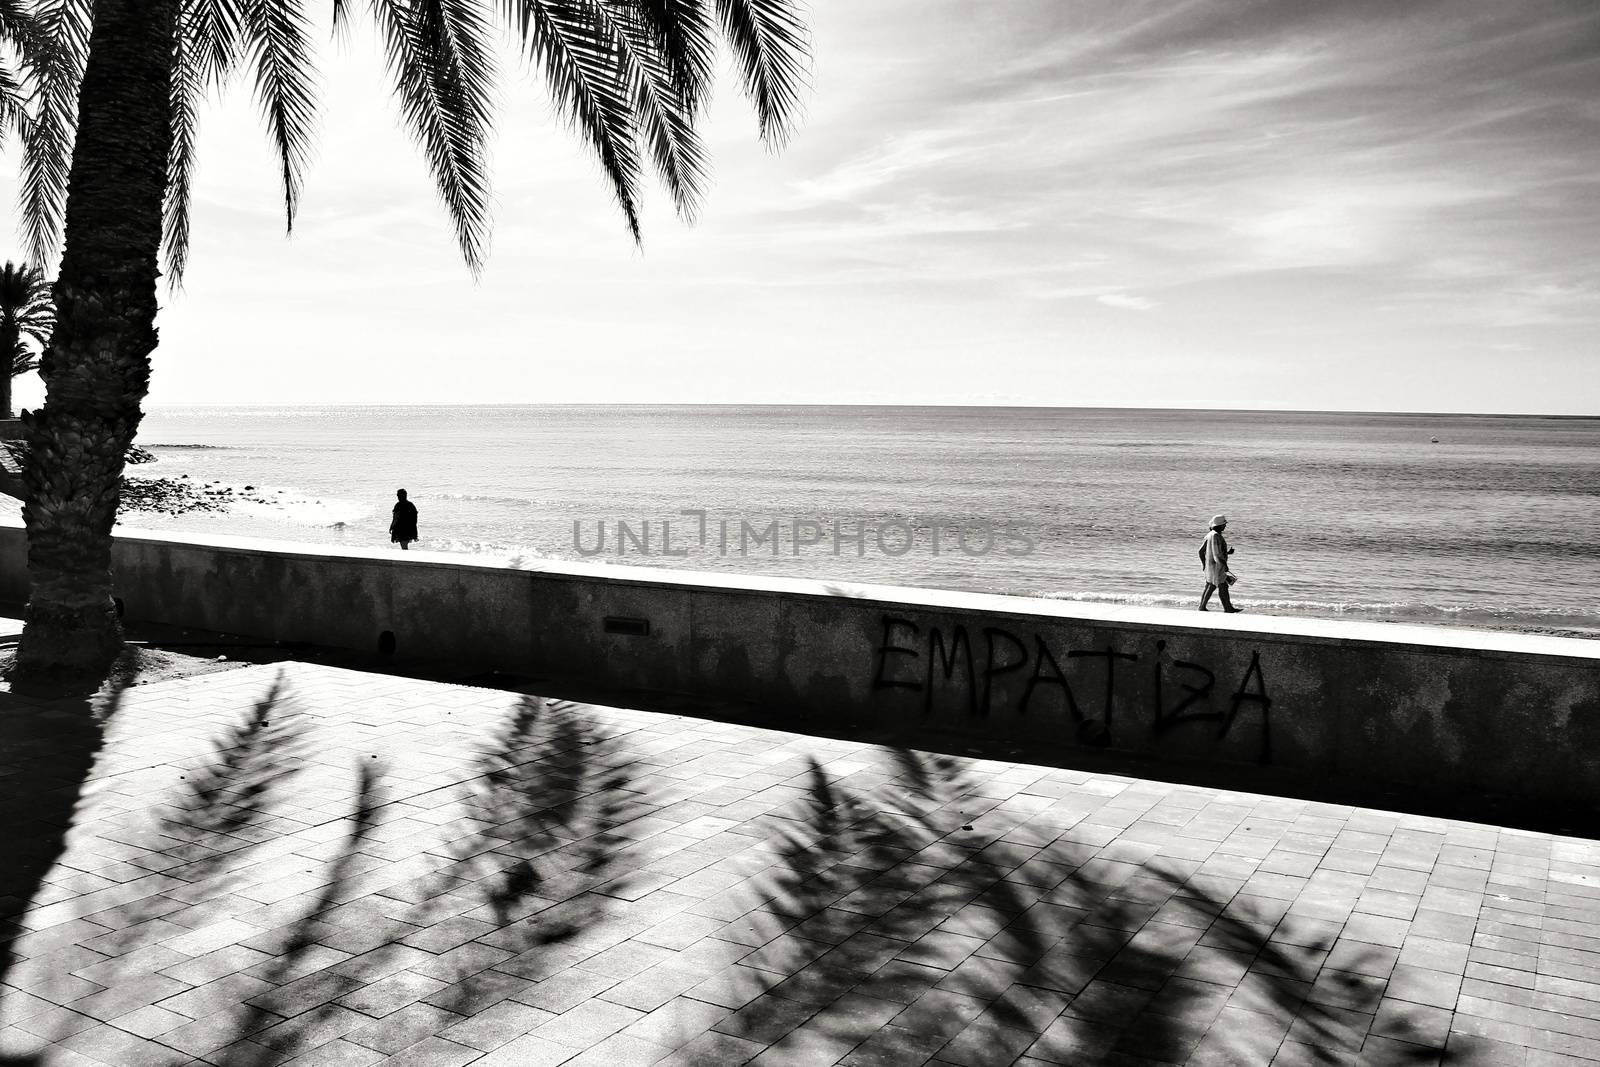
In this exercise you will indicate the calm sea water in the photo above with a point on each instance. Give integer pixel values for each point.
(1495, 524)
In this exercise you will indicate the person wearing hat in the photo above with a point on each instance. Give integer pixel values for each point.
(1214, 553)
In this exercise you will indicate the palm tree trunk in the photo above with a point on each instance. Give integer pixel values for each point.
(96, 368)
(9, 334)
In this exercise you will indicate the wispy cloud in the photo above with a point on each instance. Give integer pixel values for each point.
(1303, 189)
(1127, 301)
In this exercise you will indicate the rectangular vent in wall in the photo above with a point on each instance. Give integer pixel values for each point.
(623, 624)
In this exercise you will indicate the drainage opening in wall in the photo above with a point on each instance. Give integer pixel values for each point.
(386, 643)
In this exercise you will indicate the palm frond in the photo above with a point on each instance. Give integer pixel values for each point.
(37, 330)
(278, 43)
(213, 32)
(770, 42)
(23, 359)
(187, 91)
(445, 111)
(57, 74)
(25, 303)
(19, 26)
(454, 35)
(13, 103)
(341, 18)
(14, 17)
(681, 33)
(455, 68)
(15, 286)
(20, 30)
(208, 48)
(583, 65)
(660, 111)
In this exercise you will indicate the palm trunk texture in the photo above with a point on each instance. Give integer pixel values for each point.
(9, 334)
(96, 368)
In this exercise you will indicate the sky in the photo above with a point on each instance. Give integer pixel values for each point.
(1304, 204)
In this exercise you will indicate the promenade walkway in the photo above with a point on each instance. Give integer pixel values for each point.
(303, 864)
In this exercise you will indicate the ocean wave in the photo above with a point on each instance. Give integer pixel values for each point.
(219, 448)
(1410, 610)
(304, 510)
(507, 554)
(486, 498)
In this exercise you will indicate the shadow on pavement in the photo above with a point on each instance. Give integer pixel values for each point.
(47, 750)
(888, 912)
(508, 902)
(908, 928)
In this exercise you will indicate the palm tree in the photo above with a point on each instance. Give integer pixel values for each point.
(23, 360)
(25, 313)
(110, 155)
(24, 296)
(21, 31)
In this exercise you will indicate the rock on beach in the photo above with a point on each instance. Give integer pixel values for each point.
(164, 496)
(178, 496)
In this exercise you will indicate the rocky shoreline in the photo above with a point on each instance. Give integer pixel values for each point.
(169, 496)
(180, 496)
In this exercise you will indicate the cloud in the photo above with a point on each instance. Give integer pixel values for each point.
(1340, 180)
(1124, 300)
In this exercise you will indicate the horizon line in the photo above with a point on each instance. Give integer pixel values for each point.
(876, 404)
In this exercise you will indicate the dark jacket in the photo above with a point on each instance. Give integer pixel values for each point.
(403, 527)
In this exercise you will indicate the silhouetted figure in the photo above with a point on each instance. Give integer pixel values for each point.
(403, 527)
(1214, 553)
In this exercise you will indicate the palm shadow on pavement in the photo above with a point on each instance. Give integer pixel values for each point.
(517, 894)
(913, 919)
(899, 909)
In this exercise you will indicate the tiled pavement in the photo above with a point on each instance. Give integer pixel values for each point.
(307, 865)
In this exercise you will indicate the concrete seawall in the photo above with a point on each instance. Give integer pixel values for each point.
(1414, 705)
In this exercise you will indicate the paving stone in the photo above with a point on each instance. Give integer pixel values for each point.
(496, 1026)
(339, 1053)
(987, 1041)
(434, 1052)
(621, 1050)
(541, 882)
(1239, 1038)
(403, 1028)
(1422, 985)
(1387, 1052)
(1073, 1040)
(150, 1021)
(765, 1020)
(710, 1049)
(308, 1031)
(893, 1046)
(588, 1023)
(529, 1051)
(117, 1048)
(388, 995)
(1417, 1024)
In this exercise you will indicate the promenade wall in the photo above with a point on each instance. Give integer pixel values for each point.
(1415, 705)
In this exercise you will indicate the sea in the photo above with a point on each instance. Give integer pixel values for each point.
(1489, 521)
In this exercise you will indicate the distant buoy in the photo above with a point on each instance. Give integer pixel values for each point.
(1435, 440)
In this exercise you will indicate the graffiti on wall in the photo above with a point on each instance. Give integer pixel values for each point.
(980, 671)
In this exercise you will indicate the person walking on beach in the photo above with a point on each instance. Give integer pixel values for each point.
(1214, 553)
(403, 527)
